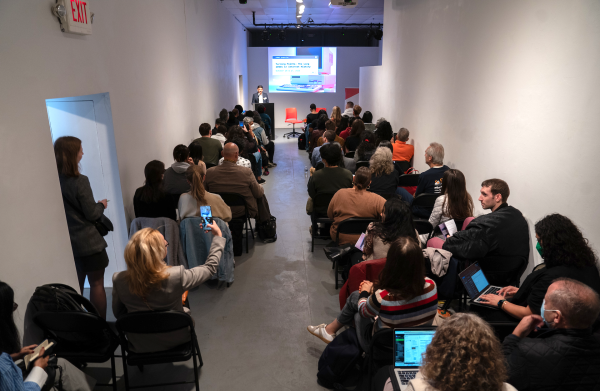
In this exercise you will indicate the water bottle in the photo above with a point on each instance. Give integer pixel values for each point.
(305, 172)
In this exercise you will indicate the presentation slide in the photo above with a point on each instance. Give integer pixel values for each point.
(293, 69)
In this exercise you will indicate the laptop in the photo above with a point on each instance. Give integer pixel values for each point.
(477, 285)
(409, 346)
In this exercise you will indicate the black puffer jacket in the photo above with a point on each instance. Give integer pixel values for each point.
(561, 359)
(495, 239)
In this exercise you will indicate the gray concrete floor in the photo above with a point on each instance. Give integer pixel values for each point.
(253, 334)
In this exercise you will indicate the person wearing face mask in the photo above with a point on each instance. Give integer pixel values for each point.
(566, 253)
(563, 355)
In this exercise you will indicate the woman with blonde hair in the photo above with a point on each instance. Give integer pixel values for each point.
(336, 116)
(384, 178)
(464, 355)
(190, 203)
(149, 284)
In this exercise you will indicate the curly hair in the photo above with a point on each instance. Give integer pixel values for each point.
(396, 222)
(563, 243)
(464, 355)
(384, 132)
(366, 147)
(381, 162)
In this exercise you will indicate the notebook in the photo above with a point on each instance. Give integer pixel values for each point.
(409, 346)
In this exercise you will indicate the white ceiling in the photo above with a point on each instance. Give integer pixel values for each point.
(284, 11)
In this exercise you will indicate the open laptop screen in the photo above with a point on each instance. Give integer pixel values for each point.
(409, 346)
(474, 280)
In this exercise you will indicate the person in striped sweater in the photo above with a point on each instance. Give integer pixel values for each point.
(403, 297)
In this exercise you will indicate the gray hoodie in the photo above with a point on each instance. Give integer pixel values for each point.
(174, 181)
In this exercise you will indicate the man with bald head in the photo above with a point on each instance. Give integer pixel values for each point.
(557, 350)
(232, 178)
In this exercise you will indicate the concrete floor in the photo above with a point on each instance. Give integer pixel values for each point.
(253, 335)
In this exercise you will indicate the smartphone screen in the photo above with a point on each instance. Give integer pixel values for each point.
(206, 215)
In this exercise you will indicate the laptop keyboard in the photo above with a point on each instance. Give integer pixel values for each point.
(406, 376)
(490, 291)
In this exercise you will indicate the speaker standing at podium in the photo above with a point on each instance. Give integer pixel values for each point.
(259, 96)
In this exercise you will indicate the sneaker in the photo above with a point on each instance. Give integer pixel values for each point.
(319, 332)
(261, 181)
(266, 172)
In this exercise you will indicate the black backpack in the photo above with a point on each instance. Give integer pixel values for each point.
(63, 298)
(267, 231)
(302, 141)
(341, 362)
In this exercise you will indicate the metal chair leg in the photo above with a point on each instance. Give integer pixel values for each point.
(196, 374)
(114, 372)
(125, 373)
(336, 275)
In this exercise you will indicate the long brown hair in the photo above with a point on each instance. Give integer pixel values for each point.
(464, 355)
(404, 272)
(194, 175)
(458, 203)
(66, 149)
(144, 255)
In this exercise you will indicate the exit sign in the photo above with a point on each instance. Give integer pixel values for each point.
(79, 17)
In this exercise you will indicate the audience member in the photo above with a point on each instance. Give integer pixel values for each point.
(356, 110)
(11, 376)
(384, 178)
(190, 203)
(354, 202)
(349, 162)
(313, 116)
(231, 178)
(253, 148)
(403, 297)
(316, 134)
(366, 148)
(430, 181)
(174, 181)
(307, 133)
(268, 126)
(464, 355)
(266, 144)
(342, 126)
(233, 118)
(217, 123)
(330, 125)
(349, 111)
(89, 247)
(149, 284)
(328, 138)
(336, 116)
(196, 152)
(566, 253)
(454, 203)
(218, 133)
(353, 139)
(404, 152)
(151, 200)
(211, 148)
(224, 116)
(331, 178)
(396, 221)
(563, 356)
(241, 113)
(386, 144)
(383, 132)
(241, 144)
(368, 120)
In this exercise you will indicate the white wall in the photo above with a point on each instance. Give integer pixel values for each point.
(510, 88)
(168, 66)
(349, 61)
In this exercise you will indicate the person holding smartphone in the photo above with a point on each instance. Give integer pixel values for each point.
(190, 203)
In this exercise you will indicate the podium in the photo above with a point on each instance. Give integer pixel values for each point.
(270, 111)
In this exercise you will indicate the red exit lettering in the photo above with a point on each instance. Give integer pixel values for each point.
(79, 11)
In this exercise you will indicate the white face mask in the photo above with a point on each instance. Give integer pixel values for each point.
(542, 312)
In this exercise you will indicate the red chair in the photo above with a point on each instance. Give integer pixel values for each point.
(291, 117)
(321, 108)
(366, 270)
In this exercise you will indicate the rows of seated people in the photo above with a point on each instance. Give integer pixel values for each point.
(232, 157)
(555, 310)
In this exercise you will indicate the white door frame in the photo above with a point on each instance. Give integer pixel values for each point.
(110, 165)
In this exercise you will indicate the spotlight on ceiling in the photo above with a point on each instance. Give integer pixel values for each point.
(265, 35)
(299, 1)
(301, 9)
(281, 35)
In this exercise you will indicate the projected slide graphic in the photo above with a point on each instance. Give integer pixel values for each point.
(294, 69)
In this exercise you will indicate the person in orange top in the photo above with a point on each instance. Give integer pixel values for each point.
(402, 150)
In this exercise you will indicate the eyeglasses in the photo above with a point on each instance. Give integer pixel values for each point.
(15, 306)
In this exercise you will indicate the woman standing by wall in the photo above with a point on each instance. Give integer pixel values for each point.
(89, 247)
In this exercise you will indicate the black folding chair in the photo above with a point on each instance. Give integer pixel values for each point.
(425, 200)
(210, 165)
(407, 180)
(235, 199)
(402, 166)
(321, 201)
(81, 337)
(379, 354)
(157, 322)
(351, 226)
(350, 154)
(319, 166)
(423, 227)
(363, 163)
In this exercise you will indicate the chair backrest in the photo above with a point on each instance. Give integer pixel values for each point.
(353, 226)
(503, 271)
(291, 113)
(364, 163)
(466, 222)
(210, 165)
(350, 154)
(423, 227)
(69, 322)
(234, 199)
(321, 202)
(426, 200)
(319, 166)
(408, 180)
(401, 166)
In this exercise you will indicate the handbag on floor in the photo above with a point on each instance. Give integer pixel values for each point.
(267, 230)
